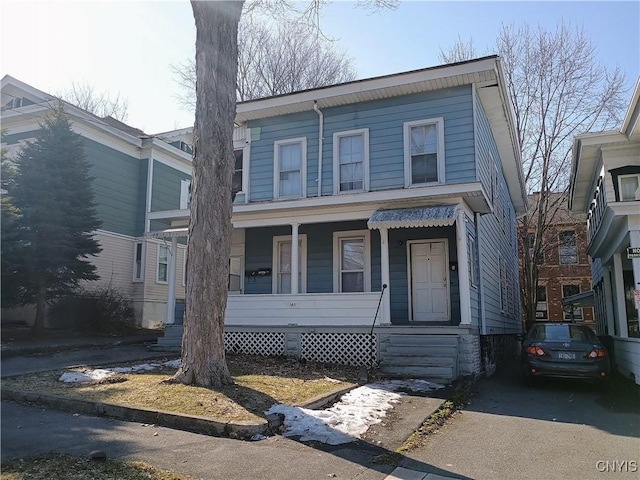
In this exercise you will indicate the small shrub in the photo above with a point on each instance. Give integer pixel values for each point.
(103, 310)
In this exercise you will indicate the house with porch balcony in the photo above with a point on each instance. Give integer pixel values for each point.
(605, 184)
(375, 222)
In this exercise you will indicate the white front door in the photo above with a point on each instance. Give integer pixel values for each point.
(429, 281)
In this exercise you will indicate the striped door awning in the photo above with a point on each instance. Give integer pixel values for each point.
(414, 217)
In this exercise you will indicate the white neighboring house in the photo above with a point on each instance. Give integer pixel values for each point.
(605, 184)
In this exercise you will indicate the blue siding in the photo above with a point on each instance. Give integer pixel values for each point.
(475, 296)
(384, 119)
(259, 253)
(165, 194)
(398, 273)
(496, 241)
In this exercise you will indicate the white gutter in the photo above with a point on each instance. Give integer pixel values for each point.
(320, 137)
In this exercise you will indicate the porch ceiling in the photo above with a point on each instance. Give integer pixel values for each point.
(414, 217)
(168, 233)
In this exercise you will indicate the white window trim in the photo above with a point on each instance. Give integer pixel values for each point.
(142, 261)
(473, 261)
(439, 122)
(546, 303)
(160, 246)
(302, 288)
(184, 194)
(241, 291)
(622, 177)
(567, 316)
(336, 160)
(337, 236)
(303, 166)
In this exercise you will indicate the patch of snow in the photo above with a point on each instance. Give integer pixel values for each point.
(88, 375)
(348, 419)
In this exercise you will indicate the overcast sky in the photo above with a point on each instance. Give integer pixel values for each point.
(128, 47)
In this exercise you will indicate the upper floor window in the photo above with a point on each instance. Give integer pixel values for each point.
(568, 247)
(351, 161)
(290, 168)
(185, 194)
(531, 238)
(236, 185)
(424, 152)
(352, 261)
(629, 187)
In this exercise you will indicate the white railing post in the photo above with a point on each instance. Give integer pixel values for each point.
(463, 270)
(171, 282)
(384, 274)
(295, 254)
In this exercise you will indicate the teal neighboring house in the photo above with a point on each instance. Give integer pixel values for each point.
(135, 175)
(376, 220)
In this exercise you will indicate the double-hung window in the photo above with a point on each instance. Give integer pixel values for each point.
(352, 261)
(185, 194)
(542, 309)
(138, 262)
(424, 152)
(571, 313)
(282, 260)
(351, 161)
(629, 187)
(163, 264)
(290, 168)
(236, 183)
(568, 247)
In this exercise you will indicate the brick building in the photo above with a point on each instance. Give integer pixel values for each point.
(565, 269)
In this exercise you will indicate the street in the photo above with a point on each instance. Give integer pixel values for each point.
(557, 429)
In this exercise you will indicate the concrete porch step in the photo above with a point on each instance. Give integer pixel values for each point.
(430, 373)
(399, 360)
(423, 340)
(422, 350)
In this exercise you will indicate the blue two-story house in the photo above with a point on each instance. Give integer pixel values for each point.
(376, 220)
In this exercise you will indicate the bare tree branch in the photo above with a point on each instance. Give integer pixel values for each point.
(85, 96)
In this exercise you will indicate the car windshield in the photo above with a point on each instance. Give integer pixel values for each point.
(562, 332)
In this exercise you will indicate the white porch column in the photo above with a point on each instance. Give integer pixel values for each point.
(621, 311)
(463, 270)
(384, 274)
(608, 301)
(171, 282)
(634, 240)
(295, 256)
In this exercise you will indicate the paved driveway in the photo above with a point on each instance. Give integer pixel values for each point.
(557, 429)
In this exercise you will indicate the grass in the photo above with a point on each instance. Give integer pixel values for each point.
(260, 382)
(69, 467)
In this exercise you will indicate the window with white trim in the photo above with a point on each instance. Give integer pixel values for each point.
(282, 264)
(629, 187)
(235, 275)
(185, 194)
(162, 264)
(138, 262)
(352, 261)
(568, 247)
(236, 183)
(290, 168)
(542, 308)
(424, 152)
(571, 313)
(351, 161)
(472, 260)
(503, 285)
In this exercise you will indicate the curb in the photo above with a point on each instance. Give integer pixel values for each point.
(178, 421)
(194, 424)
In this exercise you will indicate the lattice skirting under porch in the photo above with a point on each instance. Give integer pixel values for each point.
(255, 343)
(357, 349)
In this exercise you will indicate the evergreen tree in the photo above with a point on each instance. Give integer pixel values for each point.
(53, 230)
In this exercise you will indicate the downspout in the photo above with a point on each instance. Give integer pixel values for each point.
(320, 137)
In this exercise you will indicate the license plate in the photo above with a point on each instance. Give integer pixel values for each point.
(566, 355)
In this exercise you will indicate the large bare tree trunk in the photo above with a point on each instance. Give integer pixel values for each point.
(203, 360)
